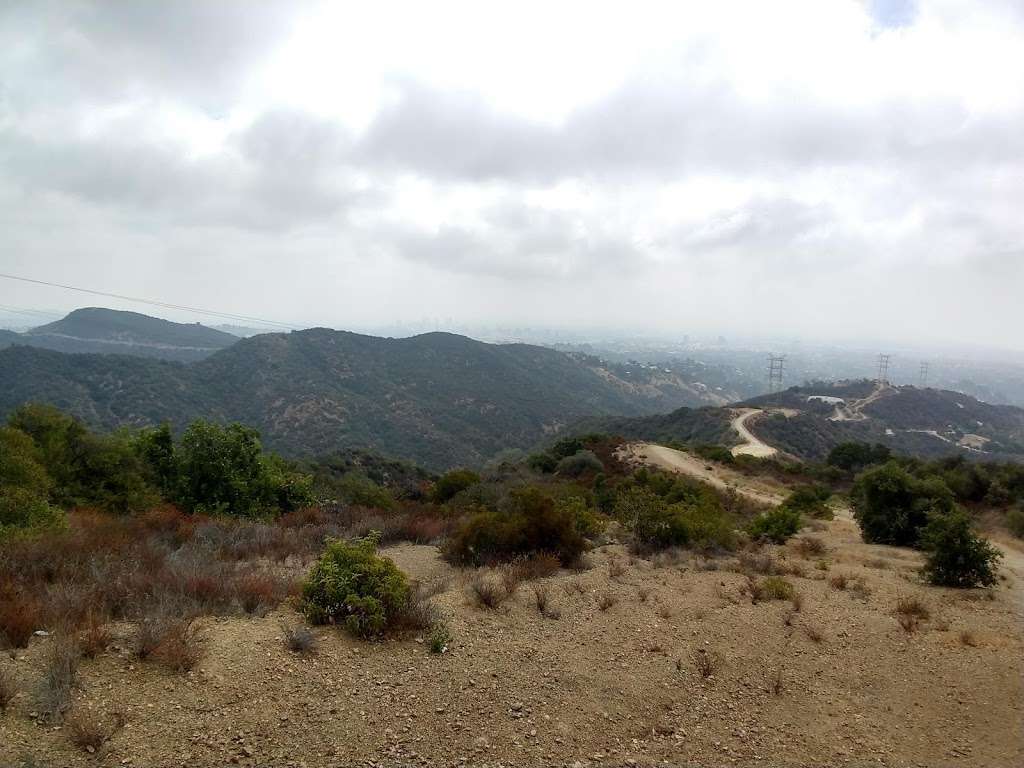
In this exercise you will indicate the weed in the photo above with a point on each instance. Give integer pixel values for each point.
(574, 587)
(95, 637)
(171, 642)
(606, 600)
(60, 672)
(774, 680)
(877, 563)
(967, 638)
(89, 731)
(542, 596)
(643, 593)
(488, 590)
(797, 601)
(706, 662)
(839, 581)
(912, 606)
(615, 567)
(440, 638)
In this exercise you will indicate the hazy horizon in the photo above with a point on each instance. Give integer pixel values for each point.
(832, 171)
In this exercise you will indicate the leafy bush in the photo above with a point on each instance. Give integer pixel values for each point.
(451, 483)
(222, 469)
(776, 525)
(529, 522)
(772, 588)
(542, 462)
(810, 500)
(579, 463)
(892, 506)
(361, 491)
(22, 511)
(855, 456)
(657, 524)
(717, 453)
(352, 585)
(588, 521)
(957, 557)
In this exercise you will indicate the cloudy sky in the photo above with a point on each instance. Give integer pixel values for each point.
(821, 168)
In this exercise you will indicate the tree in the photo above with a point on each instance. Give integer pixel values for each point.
(892, 506)
(451, 483)
(957, 556)
(24, 486)
(854, 456)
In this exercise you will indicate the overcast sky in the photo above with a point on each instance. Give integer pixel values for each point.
(820, 168)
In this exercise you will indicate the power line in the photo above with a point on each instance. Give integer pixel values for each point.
(775, 370)
(154, 302)
(883, 369)
(924, 375)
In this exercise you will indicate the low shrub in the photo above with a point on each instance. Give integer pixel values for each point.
(90, 731)
(810, 546)
(776, 525)
(179, 646)
(810, 500)
(956, 555)
(352, 585)
(910, 612)
(488, 589)
(580, 463)
(440, 638)
(95, 637)
(606, 600)
(529, 523)
(60, 674)
(707, 662)
(451, 483)
(839, 581)
(20, 616)
(772, 588)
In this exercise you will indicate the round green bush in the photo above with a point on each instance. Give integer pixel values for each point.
(354, 586)
(956, 555)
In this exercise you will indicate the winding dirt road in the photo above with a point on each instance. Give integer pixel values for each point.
(752, 445)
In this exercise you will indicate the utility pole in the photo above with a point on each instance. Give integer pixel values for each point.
(924, 376)
(883, 370)
(776, 364)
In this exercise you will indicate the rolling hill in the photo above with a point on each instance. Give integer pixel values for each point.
(438, 399)
(98, 330)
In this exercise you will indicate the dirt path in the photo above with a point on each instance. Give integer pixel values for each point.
(712, 474)
(752, 444)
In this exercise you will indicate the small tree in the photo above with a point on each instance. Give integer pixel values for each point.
(957, 557)
(892, 506)
(354, 586)
(776, 525)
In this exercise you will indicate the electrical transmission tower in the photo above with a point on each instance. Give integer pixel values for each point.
(924, 375)
(776, 364)
(883, 369)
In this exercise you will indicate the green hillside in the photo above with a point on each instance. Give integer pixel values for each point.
(438, 399)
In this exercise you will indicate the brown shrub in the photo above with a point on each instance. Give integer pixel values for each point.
(95, 636)
(615, 567)
(574, 586)
(839, 581)
(810, 546)
(20, 616)
(707, 662)
(488, 590)
(8, 688)
(258, 593)
(90, 731)
(606, 600)
(542, 596)
(774, 681)
(180, 647)
(912, 606)
(757, 562)
(643, 594)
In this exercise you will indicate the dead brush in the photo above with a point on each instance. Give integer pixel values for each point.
(839, 581)
(172, 642)
(616, 568)
(8, 688)
(606, 600)
(774, 680)
(542, 598)
(488, 590)
(706, 661)
(910, 612)
(418, 612)
(512, 575)
(809, 547)
(756, 562)
(574, 587)
(968, 639)
(60, 677)
(20, 616)
(90, 731)
(643, 594)
(95, 637)
(299, 638)
(814, 634)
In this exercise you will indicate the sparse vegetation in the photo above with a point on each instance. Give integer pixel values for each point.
(606, 600)
(58, 681)
(91, 731)
(810, 547)
(771, 588)
(488, 589)
(707, 662)
(910, 612)
(298, 638)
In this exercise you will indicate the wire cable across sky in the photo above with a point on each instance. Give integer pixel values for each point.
(156, 303)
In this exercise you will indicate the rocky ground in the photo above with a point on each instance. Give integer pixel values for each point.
(837, 682)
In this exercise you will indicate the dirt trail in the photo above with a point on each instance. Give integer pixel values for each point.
(710, 473)
(752, 445)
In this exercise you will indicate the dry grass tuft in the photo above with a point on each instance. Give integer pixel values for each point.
(774, 680)
(171, 641)
(643, 594)
(542, 596)
(488, 590)
(89, 731)
(968, 639)
(911, 611)
(574, 587)
(20, 616)
(814, 634)
(616, 568)
(707, 662)
(810, 547)
(839, 581)
(606, 600)
(95, 637)
(60, 676)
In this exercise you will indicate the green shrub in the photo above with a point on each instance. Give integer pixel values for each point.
(528, 522)
(776, 525)
(359, 490)
(657, 524)
(772, 588)
(352, 585)
(542, 462)
(440, 638)
(22, 511)
(956, 555)
(451, 483)
(588, 521)
(579, 463)
(811, 500)
(854, 456)
(892, 506)
(1015, 522)
(717, 453)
